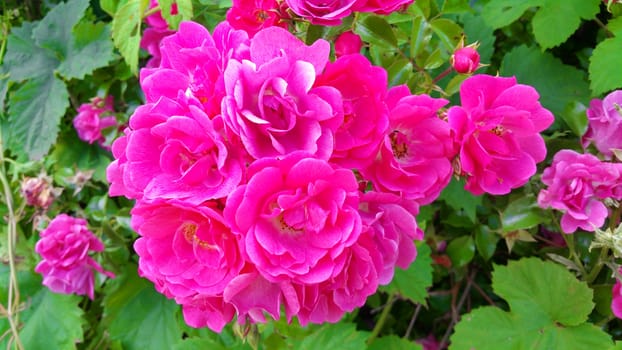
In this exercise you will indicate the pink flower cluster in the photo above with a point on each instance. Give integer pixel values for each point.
(66, 266)
(605, 124)
(577, 185)
(94, 117)
(271, 179)
(157, 30)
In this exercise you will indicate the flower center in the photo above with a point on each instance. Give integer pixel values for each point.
(189, 231)
(399, 144)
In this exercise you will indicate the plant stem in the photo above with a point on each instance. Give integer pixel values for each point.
(442, 75)
(383, 318)
(569, 239)
(456, 311)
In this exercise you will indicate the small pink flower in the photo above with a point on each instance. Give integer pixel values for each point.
(254, 15)
(321, 12)
(415, 157)
(271, 103)
(93, 117)
(66, 266)
(206, 311)
(348, 43)
(383, 7)
(498, 126)
(616, 298)
(576, 185)
(465, 60)
(185, 250)
(605, 124)
(295, 217)
(363, 89)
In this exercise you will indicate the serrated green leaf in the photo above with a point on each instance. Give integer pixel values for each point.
(556, 20)
(90, 48)
(413, 282)
(138, 316)
(615, 26)
(605, 68)
(460, 199)
(393, 342)
(558, 84)
(376, 30)
(534, 287)
(55, 31)
(499, 13)
(54, 321)
(343, 336)
(184, 11)
(548, 308)
(35, 111)
(126, 30)
(199, 343)
(110, 6)
(521, 213)
(24, 59)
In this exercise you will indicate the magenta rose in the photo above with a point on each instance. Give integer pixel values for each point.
(348, 43)
(296, 217)
(383, 7)
(415, 158)
(93, 117)
(254, 15)
(322, 12)
(366, 117)
(173, 150)
(271, 102)
(577, 184)
(465, 60)
(185, 250)
(497, 127)
(206, 311)
(66, 265)
(605, 124)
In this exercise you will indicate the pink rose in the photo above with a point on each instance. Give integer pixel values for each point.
(185, 250)
(616, 298)
(383, 7)
(415, 157)
(498, 126)
(322, 12)
(348, 43)
(576, 185)
(296, 217)
(605, 124)
(254, 15)
(66, 266)
(172, 150)
(366, 117)
(465, 60)
(93, 117)
(206, 311)
(271, 103)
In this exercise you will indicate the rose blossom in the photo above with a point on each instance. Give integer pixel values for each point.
(616, 297)
(576, 185)
(465, 60)
(254, 15)
(383, 7)
(271, 102)
(296, 217)
(605, 124)
(348, 43)
(173, 150)
(415, 157)
(363, 89)
(498, 126)
(322, 12)
(93, 117)
(66, 266)
(185, 250)
(206, 311)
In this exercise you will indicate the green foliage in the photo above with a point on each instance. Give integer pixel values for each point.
(392, 342)
(334, 336)
(413, 282)
(184, 11)
(548, 310)
(126, 30)
(521, 213)
(605, 70)
(460, 199)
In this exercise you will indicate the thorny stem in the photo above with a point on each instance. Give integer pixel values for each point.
(383, 318)
(456, 311)
(442, 75)
(12, 310)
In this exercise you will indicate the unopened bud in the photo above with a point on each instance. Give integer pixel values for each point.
(465, 60)
(348, 43)
(608, 238)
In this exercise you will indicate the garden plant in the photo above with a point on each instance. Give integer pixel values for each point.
(319, 174)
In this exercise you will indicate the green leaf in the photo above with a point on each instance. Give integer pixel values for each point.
(54, 321)
(110, 6)
(460, 199)
(24, 59)
(548, 310)
(605, 68)
(4, 87)
(535, 288)
(413, 282)
(343, 336)
(70, 153)
(138, 316)
(448, 31)
(556, 20)
(376, 30)
(575, 117)
(35, 111)
(461, 250)
(55, 30)
(184, 11)
(393, 342)
(199, 343)
(476, 29)
(399, 72)
(486, 241)
(456, 6)
(558, 84)
(90, 48)
(521, 213)
(126, 30)
(499, 13)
